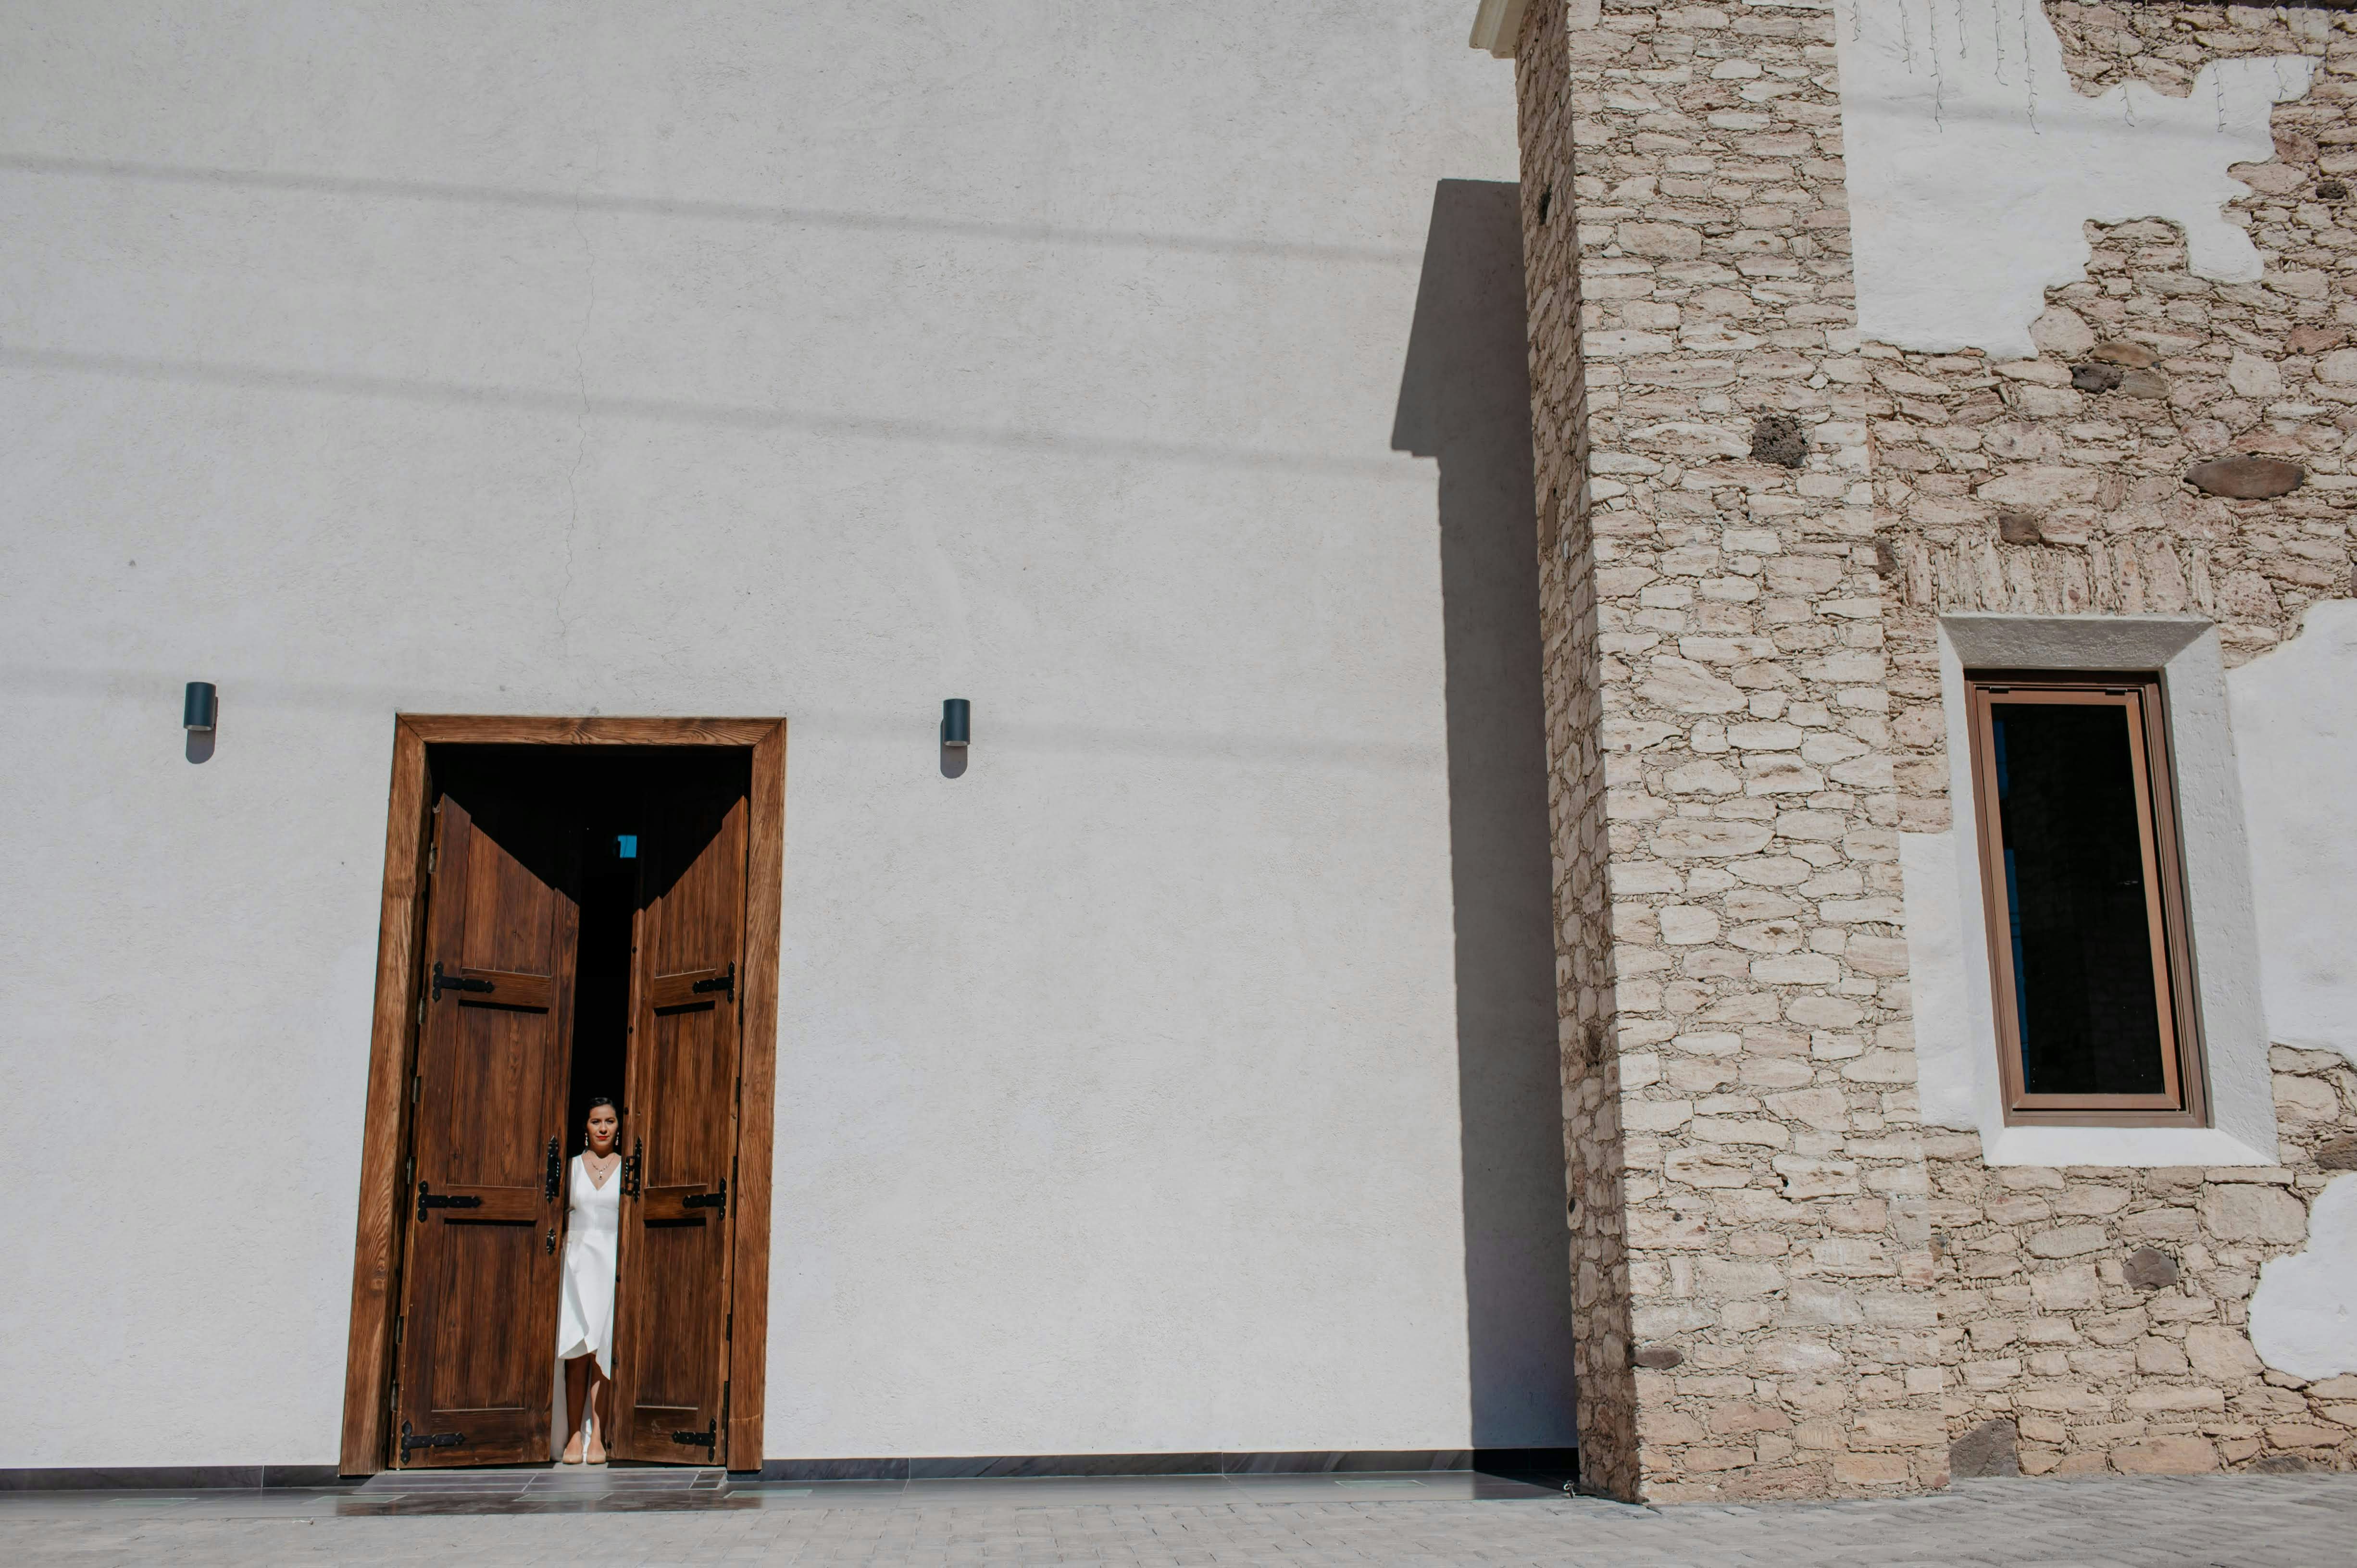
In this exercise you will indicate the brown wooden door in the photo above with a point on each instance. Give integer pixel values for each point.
(670, 1347)
(479, 1293)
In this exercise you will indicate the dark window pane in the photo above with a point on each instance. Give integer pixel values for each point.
(2075, 893)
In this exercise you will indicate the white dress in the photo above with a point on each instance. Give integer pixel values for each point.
(585, 1323)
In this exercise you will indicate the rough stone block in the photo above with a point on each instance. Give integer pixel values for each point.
(2162, 1225)
(2146, 1269)
(2305, 1434)
(1905, 1427)
(2092, 1200)
(2166, 1456)
(1737, 1417)
(2221, 1354)
(1871, 1469)
(1990, 1449)
(1987, 1376)
(2070, 1242)
(2246, 478)
(2242, 1214)
(2067, 1290)
(1706, 1460)
(2163, 1397)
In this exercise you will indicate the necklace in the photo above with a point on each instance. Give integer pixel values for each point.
(599, 1173)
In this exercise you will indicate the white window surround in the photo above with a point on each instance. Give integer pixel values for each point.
(1947, 934)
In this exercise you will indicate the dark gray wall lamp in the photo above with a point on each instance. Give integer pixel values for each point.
(201, 705)
(957, 723)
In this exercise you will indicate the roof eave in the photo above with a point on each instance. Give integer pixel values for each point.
(1497, 26)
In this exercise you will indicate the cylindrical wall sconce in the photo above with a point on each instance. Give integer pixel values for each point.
(199, 707)
(957, 722)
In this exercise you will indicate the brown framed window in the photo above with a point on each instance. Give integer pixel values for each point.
(2088, 951)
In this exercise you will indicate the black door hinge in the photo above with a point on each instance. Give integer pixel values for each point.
(426, 1200)
(429, 1440)
(551, 1240)
(455, 982)
(718, 1200)
(724, 983)
(708, 1439)
(556, 1172)
(630, 1163)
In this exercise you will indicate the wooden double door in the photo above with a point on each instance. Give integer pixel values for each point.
(492, 1142)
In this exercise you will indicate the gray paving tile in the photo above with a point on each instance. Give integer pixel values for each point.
(1303, 1521)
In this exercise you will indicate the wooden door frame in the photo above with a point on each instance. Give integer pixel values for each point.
(392, 1042)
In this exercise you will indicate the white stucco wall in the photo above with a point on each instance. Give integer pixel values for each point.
(1972, 161)
(801, 359)
(2304, 1312)
(2296, 734)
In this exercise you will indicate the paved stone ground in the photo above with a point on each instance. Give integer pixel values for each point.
(2237, 1521)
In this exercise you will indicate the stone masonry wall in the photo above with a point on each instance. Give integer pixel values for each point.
(1739, 1065)
(1783, 1284)
(2092, 1319)
(1601, 1336)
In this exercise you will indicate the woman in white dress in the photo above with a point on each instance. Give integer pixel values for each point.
(585, 1323)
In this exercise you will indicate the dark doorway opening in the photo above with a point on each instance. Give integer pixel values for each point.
(588, 814)
(601, 1009)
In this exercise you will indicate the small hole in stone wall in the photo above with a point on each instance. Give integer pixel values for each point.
(1547, 200)
(1778, 438)
(2332, 190)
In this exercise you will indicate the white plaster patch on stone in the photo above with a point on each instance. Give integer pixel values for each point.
(2295, 712)
(2211, 824)
(2304, 1313)
(1973, 162)
(1944, 1061)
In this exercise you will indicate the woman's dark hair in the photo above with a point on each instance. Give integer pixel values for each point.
(598, 1099)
